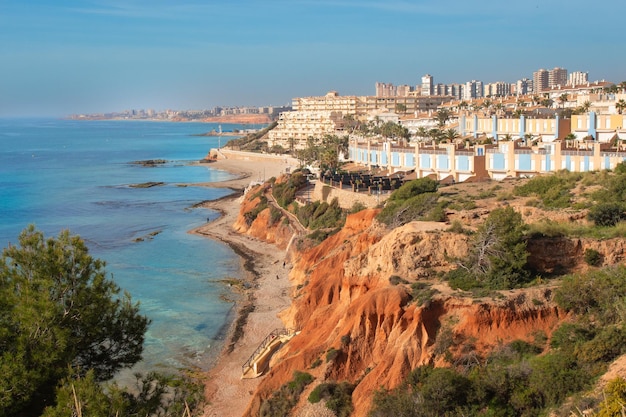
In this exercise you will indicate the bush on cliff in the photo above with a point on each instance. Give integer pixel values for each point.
(554, 191)
(338, 397)
(285, 192)
(283, 400)
(321, 215)
(415, 200)
(414, 188)
(498, 258)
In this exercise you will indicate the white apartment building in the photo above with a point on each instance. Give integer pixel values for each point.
(523, 86)
(473, 89)
(295, 127)
(497, 89)
(578, 78)
(427, 85)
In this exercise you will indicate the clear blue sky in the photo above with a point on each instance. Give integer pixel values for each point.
(64, 56)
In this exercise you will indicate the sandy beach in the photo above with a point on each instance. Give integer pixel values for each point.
(227, 393)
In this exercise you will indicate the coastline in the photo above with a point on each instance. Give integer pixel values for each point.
(266, 295)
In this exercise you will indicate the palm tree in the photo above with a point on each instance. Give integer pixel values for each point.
(435, 134)
(422, 132)
(586, 106)
(451, 134)
(443, 115)
(292, 143)
(620, 105)
(487, 104)
(563, 99)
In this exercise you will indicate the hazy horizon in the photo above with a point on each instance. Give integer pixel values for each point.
(103, 56)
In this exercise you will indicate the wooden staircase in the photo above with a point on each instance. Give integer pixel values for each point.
(259, 361)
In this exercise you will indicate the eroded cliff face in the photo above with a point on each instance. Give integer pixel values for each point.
(352, 297)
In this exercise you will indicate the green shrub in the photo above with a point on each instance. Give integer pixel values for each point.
(608, 344)
(283, 400)
(457, 227)
(614, 398)
(399, 212)
(338, 397)
(554, 190)
(356, 207)
(498, 257)
(569, 335)
(250, 216)
(275, 215)
(422, 293)
(599, 295)
(332, 354)
(414, 188)
(321, 235)
(395, 280)
(592, 257)
(285, 192)
(524, 348)
(321, 215)
(606, 214)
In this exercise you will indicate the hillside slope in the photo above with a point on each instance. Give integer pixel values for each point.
(361, 320)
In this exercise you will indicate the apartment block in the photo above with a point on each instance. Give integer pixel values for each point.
(540, 81)
(557, 77)
(473, 89)
(427, 85)
(295, 127)
(578, 78)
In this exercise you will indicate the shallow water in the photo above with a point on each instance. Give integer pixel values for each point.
(76, 175)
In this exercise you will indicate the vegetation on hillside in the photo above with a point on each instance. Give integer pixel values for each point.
(286, 397)
(252, 142)
(65, 329)
(547, 376)
(415, 200)
(498, 256)
(531, 379)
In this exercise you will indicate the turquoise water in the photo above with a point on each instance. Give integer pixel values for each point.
(60, 174)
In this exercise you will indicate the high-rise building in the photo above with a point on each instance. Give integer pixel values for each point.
(498, 89)
(427, 85)
(403, 90)
(578, 78)
(540, 80)
(523, 86)
(385, 90)
(455, 90)
(557, 77)
(473, 89)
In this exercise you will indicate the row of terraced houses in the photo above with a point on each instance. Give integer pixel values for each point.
(496, 138)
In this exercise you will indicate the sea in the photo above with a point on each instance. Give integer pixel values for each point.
(79, 175)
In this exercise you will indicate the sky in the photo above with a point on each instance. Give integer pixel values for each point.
(67, 57)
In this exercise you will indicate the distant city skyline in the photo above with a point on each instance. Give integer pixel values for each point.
(99, 56)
